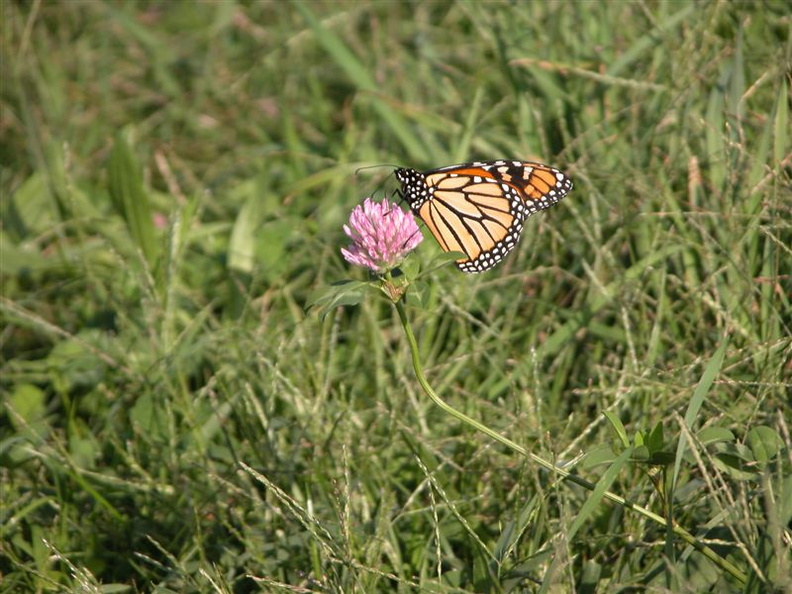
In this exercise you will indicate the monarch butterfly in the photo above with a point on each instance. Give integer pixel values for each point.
(479, 208)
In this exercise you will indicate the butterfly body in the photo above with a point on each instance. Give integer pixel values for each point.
(480, 208)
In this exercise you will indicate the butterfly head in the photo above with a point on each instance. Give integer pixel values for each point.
(479, 208)
(413, 187)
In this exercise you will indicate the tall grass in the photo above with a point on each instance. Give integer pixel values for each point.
(174, 181)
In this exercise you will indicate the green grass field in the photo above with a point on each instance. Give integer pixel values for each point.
(176, 418)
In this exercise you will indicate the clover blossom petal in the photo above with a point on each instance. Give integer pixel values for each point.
(382, 235)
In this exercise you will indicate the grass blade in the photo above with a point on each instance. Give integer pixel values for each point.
(705, 383)
(130, 199)
(360, 76)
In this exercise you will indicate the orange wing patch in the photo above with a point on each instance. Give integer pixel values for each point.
(480, 208)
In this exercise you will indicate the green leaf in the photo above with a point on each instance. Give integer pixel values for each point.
(444, 257)
(32, 208)
(147, 418)
(598, 455)
(599, 491)
(737, 460)
(347, 292)
(618, 427)
(513, 530)
(17, 259)
(661, 458)
(272, 248)
(242, 244)
(84, 448)
(592, 573)
(410, 267)
(710, 435)
(419, 294)
(130, 199)
(73, 364)
(765, 443)
(28, 401)
(640, 452)
(29, 417)
(655, 441)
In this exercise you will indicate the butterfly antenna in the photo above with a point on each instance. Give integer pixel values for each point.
(359, 169)
(382, 183)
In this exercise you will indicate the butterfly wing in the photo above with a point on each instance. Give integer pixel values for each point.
(479, 208)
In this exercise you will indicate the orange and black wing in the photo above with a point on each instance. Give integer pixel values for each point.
(479, 208)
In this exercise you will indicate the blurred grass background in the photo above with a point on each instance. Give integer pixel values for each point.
(174, 181)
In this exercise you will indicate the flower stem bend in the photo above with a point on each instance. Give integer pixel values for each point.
(564, 474)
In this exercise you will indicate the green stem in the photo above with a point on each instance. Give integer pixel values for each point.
(566, 475)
